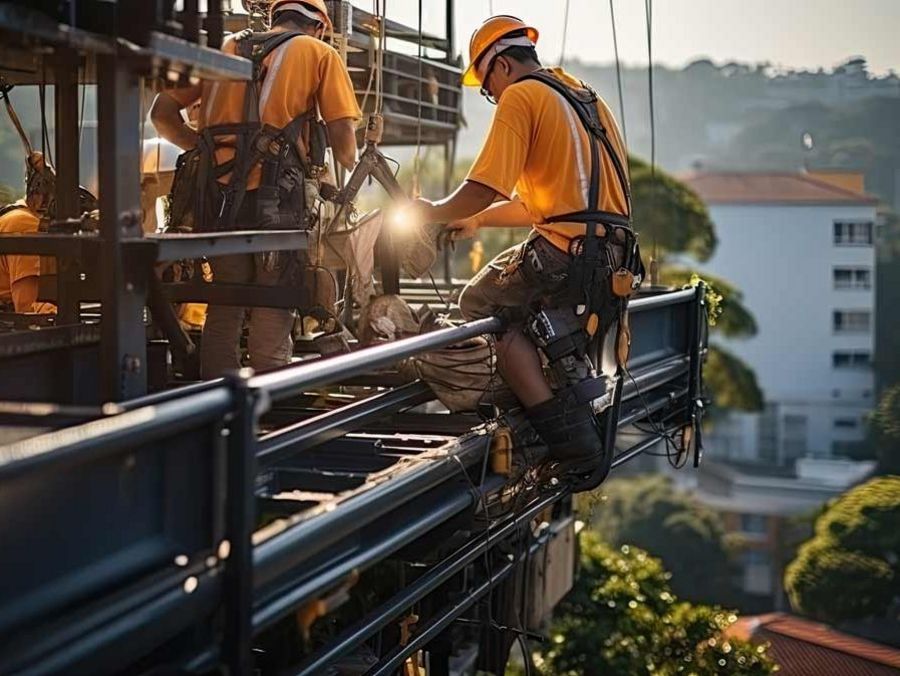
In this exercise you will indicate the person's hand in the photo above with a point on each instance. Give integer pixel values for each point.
(465, 228)
(419, 211)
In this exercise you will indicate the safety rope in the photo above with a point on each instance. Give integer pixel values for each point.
(562, 52)
(379, 55)
(612, 17)
(417, 159)
(648, 11)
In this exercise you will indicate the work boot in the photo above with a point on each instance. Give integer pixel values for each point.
(574, 440)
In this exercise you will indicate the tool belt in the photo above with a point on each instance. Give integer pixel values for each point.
(291, 159)
(605, 268)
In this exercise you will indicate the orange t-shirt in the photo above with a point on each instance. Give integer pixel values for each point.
(16, 267)
(538, 148)
(297, 76)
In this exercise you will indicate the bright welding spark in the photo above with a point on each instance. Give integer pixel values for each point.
(401, 219)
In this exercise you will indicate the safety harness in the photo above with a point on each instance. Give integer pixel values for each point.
(289, 158)
(597, 285)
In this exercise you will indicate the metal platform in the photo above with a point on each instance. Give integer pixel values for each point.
(226, 506)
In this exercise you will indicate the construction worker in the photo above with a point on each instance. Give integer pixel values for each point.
(541, 165)
(297, 75)
(19, 273)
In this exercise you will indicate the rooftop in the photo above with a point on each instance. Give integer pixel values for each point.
(802, 647)
(796, 188)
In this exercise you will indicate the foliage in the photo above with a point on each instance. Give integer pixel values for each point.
(858, 135)
(726, 310)
(885, 431)
(622, 618)
(686, 535)
(850, 569)
(7, 195)
(730, 382)
(669, 216)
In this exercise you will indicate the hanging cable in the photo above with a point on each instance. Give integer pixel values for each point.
(417, 159)
(379, 56)
(612, 17)
(648, 10)
(562, 50)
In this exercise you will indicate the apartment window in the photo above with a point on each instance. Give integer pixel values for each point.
(794, 435)
(851, 321)
(852, 278)
(851, 359)
(853, 233)
(846, 423)
(753, 523)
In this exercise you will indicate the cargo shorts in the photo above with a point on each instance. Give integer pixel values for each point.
(512, 283)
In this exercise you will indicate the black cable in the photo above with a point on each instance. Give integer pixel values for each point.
(612, 16)
(438, 291)
(648, 10)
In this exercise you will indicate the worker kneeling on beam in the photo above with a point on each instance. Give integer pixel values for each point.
(553, 159)
(255, 159)
(20, 273)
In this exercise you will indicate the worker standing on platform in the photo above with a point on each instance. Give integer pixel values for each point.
(19, 273)
(256, 144)
(553, 159)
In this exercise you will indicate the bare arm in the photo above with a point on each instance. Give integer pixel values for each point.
(342, 136)
(510, 214)
(469, 199)
(506, 214)
(165, 114)
(24, 293)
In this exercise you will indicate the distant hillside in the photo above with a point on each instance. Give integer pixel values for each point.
(742, 116)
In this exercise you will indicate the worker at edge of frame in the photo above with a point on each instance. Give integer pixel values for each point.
(260, 147)
(553, 161)
(20, 273)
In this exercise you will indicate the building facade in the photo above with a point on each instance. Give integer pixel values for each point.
(800, 248)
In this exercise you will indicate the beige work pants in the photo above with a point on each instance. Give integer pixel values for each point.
(269, 341)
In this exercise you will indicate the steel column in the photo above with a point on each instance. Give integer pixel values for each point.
(66, 135)
(124, 356)
(240, 516)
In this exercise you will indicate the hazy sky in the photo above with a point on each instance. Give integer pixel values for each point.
(795, 33)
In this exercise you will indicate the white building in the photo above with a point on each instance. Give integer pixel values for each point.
(800, 248)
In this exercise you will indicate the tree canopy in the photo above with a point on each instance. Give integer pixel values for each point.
(850, 569)
(686, 535)
(885, 431)
(623, 618)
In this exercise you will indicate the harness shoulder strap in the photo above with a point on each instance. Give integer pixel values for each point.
(9, 208)
(256, 47)
(584, 102)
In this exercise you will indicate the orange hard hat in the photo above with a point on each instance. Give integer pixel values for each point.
(314, 9)
(485, 37)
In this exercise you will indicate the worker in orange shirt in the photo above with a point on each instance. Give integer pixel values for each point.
(19, 273)
(259, 185)
(553, 160)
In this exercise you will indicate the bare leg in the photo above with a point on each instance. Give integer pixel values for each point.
(520, 366)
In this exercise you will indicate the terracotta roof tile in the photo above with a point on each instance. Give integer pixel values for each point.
(805, 648)
(770, 188)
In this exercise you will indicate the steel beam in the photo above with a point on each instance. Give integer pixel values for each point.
(171, 247)
(124, 355)
(333, 424)
(295, 379)
(295, 543)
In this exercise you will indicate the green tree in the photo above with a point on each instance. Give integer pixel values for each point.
(7, 195)
(686, 535)
(850, 569)
(622, 618)
(885, 431)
